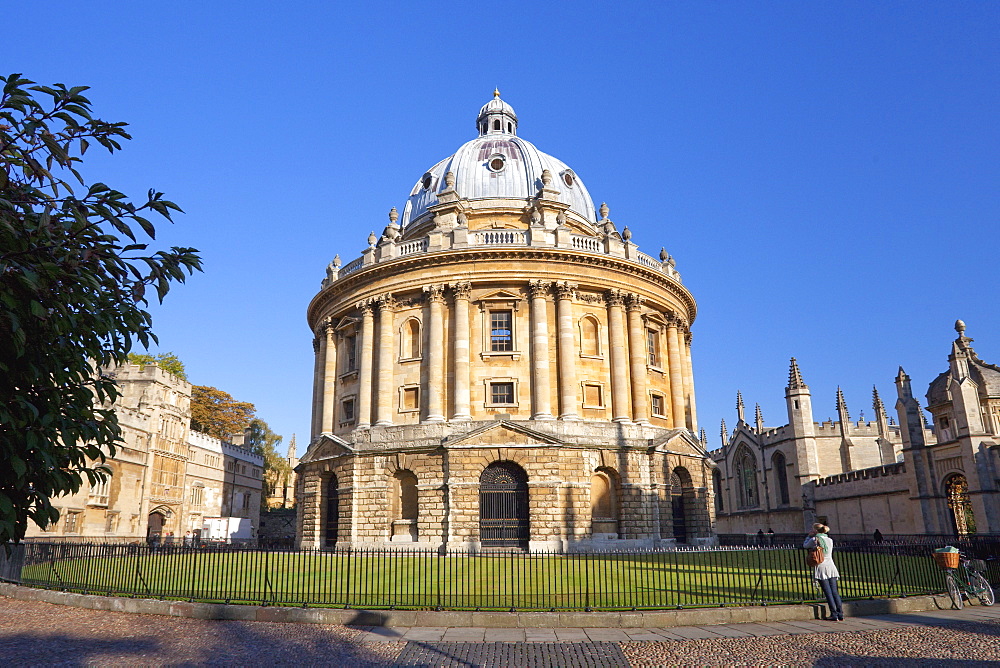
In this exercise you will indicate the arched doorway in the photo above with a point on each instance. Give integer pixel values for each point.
(681, 492)
(332, 524)
(956, 489)
(503, 506)
(154, 527)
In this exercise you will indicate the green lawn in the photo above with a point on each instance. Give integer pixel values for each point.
(492, 581)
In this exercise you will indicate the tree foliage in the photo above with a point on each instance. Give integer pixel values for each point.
(166, 361)
(216, 413)
(73, 282)
(264, 442)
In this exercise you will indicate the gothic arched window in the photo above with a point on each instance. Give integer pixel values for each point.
(746, 479)
(717, 488)
(780, 477)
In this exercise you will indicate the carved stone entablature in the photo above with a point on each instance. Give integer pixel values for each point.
(434, 293)
(538, 288)
(590, 297)
(461, 290)
(565, 289)
(614, 297)
(633, 301)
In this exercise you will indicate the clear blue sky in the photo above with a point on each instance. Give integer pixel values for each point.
(826, 174)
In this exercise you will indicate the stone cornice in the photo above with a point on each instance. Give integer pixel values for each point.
(435, 260)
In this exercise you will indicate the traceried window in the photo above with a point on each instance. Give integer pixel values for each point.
(717, 489)
(779, 465)
(746, 479)
(501, 331)
(72, 524)
(198, 495)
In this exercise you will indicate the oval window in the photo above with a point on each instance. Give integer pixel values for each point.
(568, 178)
(427, 181)
(496, 163)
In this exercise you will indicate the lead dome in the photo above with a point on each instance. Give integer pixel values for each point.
(498, 165)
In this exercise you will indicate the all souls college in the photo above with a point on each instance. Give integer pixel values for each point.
(503, 367)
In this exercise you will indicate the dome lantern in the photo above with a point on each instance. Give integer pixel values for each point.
(496, 117)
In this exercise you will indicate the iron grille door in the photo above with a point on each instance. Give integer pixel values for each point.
(503, 507)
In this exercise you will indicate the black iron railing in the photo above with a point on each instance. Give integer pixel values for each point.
(500, 580)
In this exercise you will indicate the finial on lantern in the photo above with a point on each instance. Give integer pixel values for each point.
(496, 92)
(393, 215)
(626, 233)
(372, 239)
(604, 211)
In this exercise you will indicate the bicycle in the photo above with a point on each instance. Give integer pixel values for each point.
(963, 578)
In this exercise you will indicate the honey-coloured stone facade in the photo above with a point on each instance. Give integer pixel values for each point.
(503, 354)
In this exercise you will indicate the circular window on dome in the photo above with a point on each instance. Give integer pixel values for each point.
(497, 162)
(568, 178)
(427, 181)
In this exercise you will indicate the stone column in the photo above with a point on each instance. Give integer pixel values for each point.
(317, 407)
(329, 379)
(676, 374)
(435, 353)
(689, 381)
(460, 342)
(365, 351)
(568, 356)
(385, 369)
(615, 300)
(541, 390)
(638, 357)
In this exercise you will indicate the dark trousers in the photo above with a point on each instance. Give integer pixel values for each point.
(832, 598)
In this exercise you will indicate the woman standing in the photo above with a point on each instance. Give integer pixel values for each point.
(826, 572)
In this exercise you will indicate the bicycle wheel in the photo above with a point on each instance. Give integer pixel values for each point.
(984, 592)
(953, 591)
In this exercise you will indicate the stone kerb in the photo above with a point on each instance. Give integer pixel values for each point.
(411, 618)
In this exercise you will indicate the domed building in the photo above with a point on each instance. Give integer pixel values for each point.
(502, 367)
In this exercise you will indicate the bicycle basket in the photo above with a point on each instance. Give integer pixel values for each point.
(946, 559)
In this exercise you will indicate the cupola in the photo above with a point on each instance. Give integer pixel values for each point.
(496, 117)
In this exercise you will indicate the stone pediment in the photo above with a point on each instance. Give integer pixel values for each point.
(678, 440)
(502, 433)
(326, 446)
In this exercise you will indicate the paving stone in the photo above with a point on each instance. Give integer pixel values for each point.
(693, 633)
(490, 654)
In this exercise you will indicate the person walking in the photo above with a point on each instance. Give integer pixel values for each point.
(825, 572)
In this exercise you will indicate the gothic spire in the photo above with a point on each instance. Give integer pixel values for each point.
(724, 433)
(758, 419)
(845, 417)
(795, 377)
(739, 406)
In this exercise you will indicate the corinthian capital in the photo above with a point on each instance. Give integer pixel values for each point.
(365, 306)
(614, 297)
(566, 289)
(434, 293)
(461, 290)
(385, 302)
(633, 301)
(538, 288)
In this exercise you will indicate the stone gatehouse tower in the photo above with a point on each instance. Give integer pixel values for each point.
(502, 367)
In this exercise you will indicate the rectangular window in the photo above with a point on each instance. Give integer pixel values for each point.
(351, 353)
(501, 331)
(246, 501)
(347, 410)
(593, 396)
(72, 523)
(653, 346)
(197, 496)
(658, 405)
(502, 393)
(111, 523)
(410, 400)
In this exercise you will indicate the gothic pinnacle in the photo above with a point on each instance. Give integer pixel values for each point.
(794, 376)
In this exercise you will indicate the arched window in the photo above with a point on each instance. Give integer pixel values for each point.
(510, 128)
(590, 336)
(746, 479)
(409, 339)
(604, 503)
(405, 506)
(332, 520)
(780, 477)
(717, 489)
(956, 489)
(496, 125)
(503, 506)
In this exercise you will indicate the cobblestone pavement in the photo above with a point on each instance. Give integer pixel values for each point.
(42, 634)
